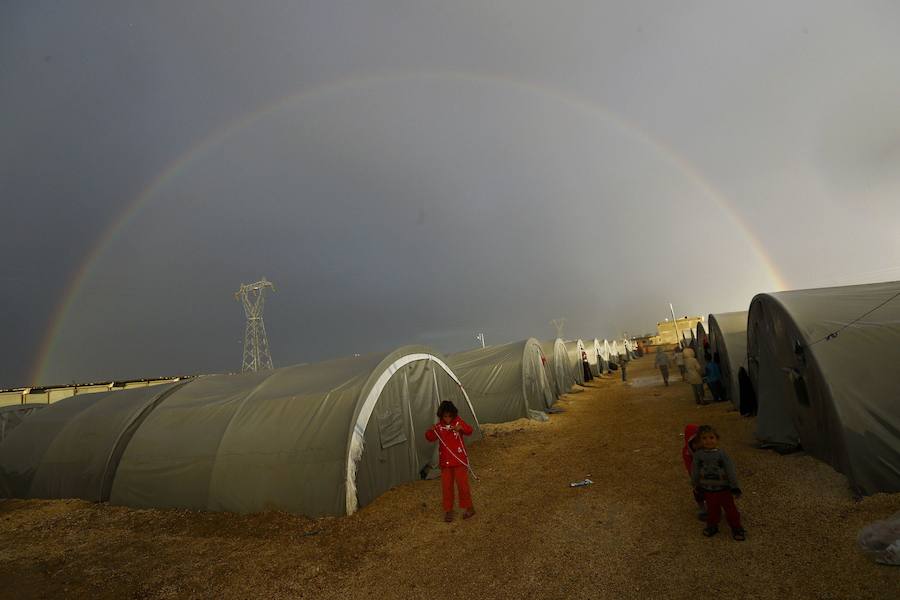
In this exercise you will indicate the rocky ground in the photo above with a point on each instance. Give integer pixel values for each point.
(633, 534)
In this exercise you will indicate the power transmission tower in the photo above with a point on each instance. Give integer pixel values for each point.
(256, 344)
(559, 324)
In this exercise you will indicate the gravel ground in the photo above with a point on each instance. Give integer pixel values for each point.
(633, 534)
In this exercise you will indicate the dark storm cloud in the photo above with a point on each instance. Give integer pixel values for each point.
(470, 174)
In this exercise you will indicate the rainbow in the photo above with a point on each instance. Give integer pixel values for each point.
(217, 136)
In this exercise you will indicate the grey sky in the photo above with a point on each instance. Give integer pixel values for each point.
(428, 169)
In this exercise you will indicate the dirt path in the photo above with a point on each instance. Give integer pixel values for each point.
(631, 535)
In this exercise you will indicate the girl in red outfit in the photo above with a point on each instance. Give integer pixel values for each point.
(448, 432)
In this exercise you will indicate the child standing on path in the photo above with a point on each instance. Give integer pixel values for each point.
(713, 475)
(448, 432)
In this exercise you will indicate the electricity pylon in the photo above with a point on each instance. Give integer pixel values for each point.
(256, 344)
(559, 324)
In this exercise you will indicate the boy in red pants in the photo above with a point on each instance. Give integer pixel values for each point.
(448, 432)
(713, 474)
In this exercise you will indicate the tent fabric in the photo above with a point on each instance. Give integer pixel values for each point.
(836, 395)
(728, 339)
(319, 439)
(558, 367)
(594, 354)
(610, 355)
(614, 351)
(69, 449)
(604, 355)
(575, 348)
(11, 416)
(698, 345)
(506, 382)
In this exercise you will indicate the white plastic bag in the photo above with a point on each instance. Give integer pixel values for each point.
(881, 540)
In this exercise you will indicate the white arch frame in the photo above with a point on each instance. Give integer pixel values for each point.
(357, 439)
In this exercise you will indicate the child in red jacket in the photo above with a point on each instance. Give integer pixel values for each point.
(691, 443)
(448, 432)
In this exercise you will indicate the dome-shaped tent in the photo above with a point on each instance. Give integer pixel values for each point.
(319, 439)
(605, 355)
(594, 354)
(575, 348)
(699, 345)
(824, 366)
(71, 448)
(558, 368)
(728, 339)
(614, 352)
(506, 382)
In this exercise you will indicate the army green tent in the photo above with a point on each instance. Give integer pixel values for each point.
(594, 354)
(505, 382)
(605, 354)
(824, 366)
(698, 347)
(558, 368)
(319, 439)
(728, 339)
(71, 448)
(575, 348)
(615, 352)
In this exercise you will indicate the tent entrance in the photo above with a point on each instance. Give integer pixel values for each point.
(395, 450)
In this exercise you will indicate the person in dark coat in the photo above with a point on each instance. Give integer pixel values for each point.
(586, 367)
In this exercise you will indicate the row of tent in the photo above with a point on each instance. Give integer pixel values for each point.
(319, 439)
(820, 366)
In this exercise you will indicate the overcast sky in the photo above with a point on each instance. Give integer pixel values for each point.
(416, 171)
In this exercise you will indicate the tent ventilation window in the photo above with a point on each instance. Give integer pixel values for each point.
(391, 426)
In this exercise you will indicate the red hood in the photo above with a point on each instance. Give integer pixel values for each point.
(690, 432)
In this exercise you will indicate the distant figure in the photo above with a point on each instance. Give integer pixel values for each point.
(691, 443)
(623, 365)
(694, 375)
(679, 361)
(454, 459)
(662, 362)
(714, 379)
(586, 367)
(714, 476)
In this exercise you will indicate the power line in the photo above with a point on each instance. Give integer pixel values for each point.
(835, 333)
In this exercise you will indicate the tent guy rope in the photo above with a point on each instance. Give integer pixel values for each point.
(835, 333)
(461, 461)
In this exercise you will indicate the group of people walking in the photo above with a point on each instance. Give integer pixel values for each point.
(692, 372)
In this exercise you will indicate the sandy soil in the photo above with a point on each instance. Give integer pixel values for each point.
(633, 534)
